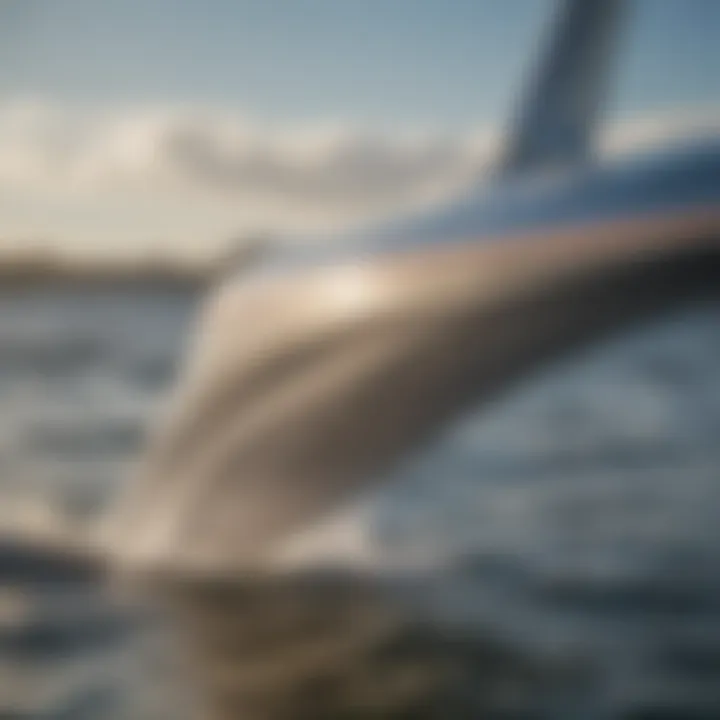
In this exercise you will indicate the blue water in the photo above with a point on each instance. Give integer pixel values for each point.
(581, 511)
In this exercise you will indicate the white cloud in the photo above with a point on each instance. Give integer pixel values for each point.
(227, 157)
(641, 133)
(249, 174)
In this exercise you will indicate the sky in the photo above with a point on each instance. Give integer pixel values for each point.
(173, 125)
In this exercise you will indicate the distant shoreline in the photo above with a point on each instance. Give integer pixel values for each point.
(13, 278)
(33, 269)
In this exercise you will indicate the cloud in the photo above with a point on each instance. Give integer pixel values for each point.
(642, 133)
(278, 177)
(230, 159)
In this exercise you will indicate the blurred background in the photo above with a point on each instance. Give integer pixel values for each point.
(146, 146)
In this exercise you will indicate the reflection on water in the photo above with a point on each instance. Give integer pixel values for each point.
(580, 514)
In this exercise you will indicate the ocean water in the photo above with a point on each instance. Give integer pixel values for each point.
(82, 374)
(577, 518)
